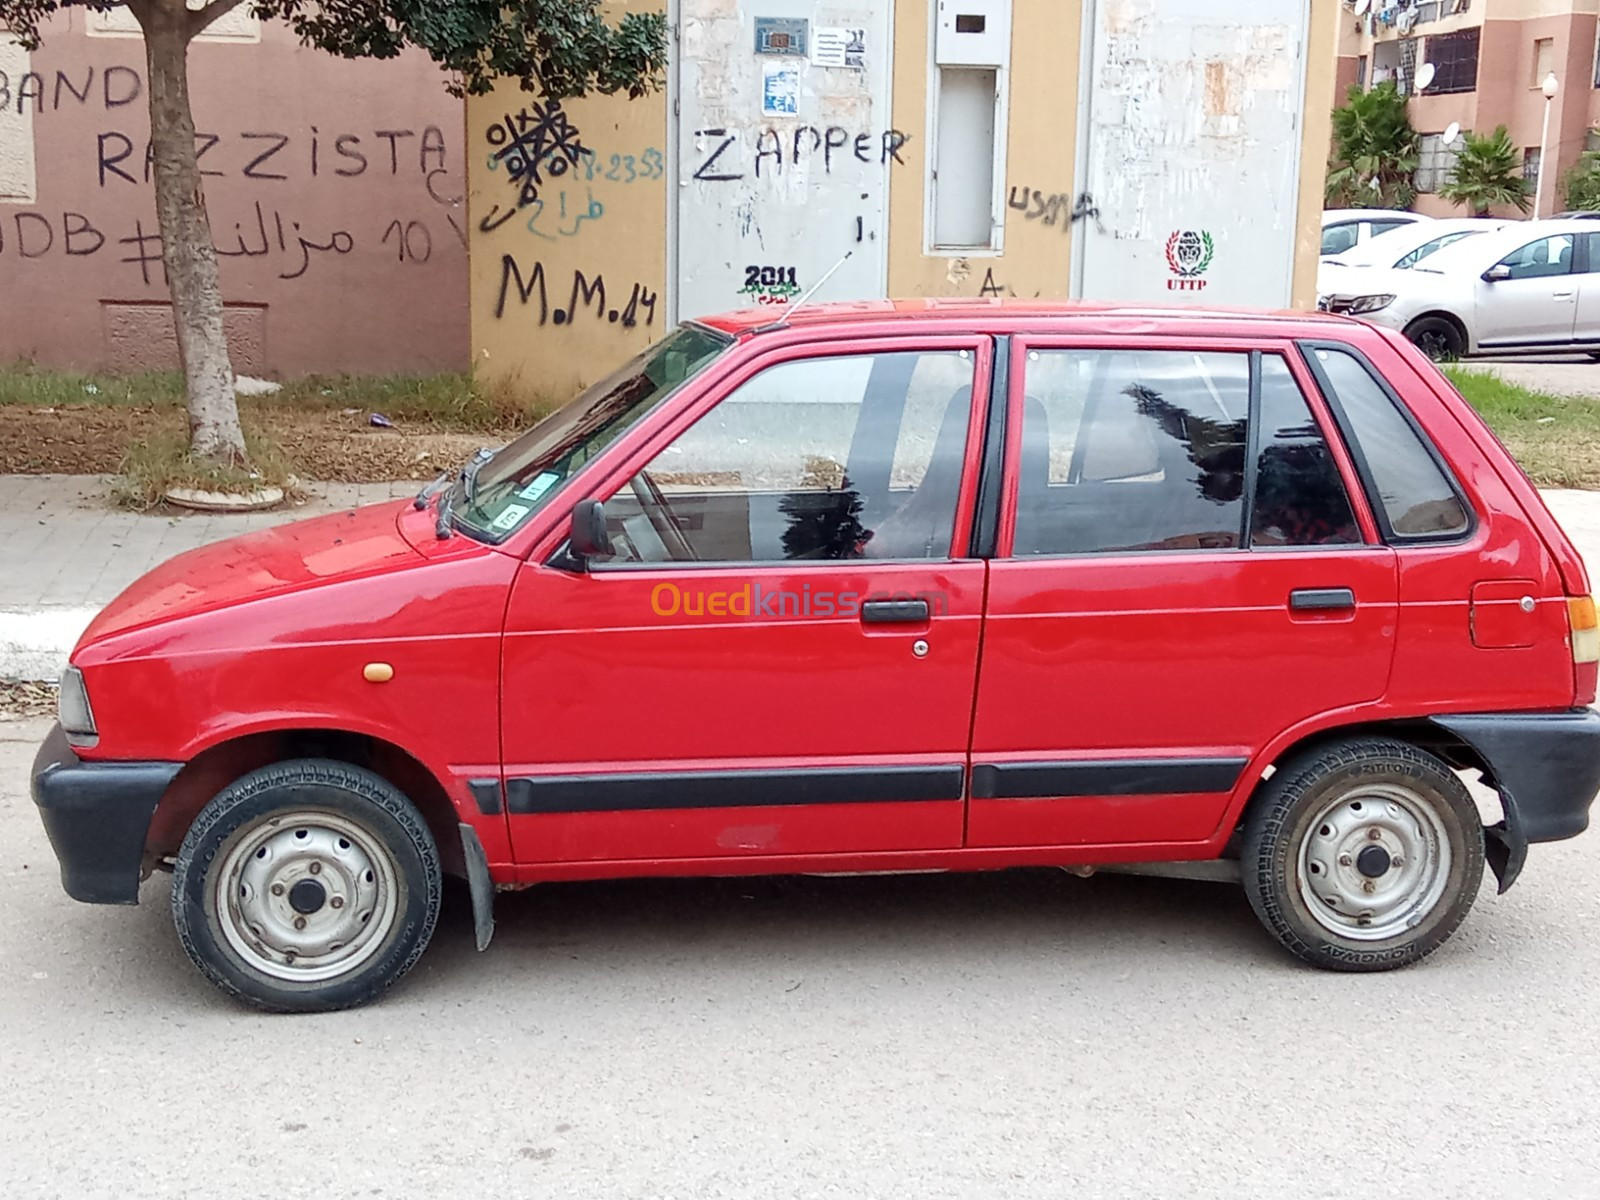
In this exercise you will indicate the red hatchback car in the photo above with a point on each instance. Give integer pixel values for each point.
(872, 587)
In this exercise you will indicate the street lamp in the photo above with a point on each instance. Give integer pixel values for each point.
(1549, 87)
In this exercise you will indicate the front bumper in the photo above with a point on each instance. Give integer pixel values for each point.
(96, 815)
(1546, 767)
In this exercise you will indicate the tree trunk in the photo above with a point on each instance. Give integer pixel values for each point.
(187, 250)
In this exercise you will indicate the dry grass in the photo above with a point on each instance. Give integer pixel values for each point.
(1555, 438)
(156, 465)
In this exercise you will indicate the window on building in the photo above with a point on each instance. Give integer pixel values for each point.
(1530, 168)
(1361, 73)
(1544, 60)
(1406, 74)
(1435, 161)
(1455, 61)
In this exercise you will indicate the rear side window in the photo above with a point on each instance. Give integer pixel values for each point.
(1414, 497)
(1300, 499)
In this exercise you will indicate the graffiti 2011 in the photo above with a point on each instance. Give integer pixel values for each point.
(770, 285)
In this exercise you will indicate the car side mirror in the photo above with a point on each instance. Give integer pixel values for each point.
(589, 537)
(1498, 273)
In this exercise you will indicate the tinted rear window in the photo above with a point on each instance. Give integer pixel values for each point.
(1414, 496)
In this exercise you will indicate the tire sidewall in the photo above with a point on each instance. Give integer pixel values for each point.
(1454, 344)
(375, 805)
(1274, 853)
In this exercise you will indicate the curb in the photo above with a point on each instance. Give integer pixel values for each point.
(35, 645)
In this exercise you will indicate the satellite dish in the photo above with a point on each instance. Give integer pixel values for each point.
(1362, 7)
(1451, 132)
(1424, 75)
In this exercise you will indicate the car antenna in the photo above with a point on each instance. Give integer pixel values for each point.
(789, 309)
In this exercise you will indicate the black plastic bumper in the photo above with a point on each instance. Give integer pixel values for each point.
(96, 815)
(1546, 767)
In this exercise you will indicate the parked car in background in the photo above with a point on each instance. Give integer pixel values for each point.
(1398, 249)
(1578, 214)
(1527, 287)
(928, 585)
(1343, 228)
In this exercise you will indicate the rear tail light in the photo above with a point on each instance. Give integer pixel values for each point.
(1585, 629)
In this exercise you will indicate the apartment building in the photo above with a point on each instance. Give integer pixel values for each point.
(1490, 59)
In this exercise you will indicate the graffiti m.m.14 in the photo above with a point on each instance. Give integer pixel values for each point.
(588, 297)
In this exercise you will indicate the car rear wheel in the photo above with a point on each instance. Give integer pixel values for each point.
(306, 886)
(1363, 856)
(1438, 338)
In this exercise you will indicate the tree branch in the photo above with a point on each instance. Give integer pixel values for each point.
(200, 21)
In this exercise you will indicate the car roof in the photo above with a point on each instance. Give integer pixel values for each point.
(1331, 215)
(1411, 236)
(948, 315)
(1504, 240)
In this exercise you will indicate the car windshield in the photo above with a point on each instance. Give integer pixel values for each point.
(525, 475)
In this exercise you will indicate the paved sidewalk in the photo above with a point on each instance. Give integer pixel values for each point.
(66, 554)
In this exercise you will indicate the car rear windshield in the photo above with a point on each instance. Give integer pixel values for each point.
(524, 476)
(1414, 496)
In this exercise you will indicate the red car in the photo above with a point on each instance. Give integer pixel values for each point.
(871, 587)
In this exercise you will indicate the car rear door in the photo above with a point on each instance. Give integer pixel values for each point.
(780, 656)
(1183, 573)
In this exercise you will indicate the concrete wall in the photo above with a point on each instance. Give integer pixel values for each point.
(565, 286)
(335, 191)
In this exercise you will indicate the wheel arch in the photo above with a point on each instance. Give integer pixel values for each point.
(1444, 314)
(218, 765)
(1506, 845)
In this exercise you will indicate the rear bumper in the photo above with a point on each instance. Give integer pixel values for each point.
(97, 815)
(1546, 767)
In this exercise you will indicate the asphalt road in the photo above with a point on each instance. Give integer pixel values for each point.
(1009, 1035)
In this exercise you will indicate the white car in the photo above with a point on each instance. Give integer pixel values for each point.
(1533, 285)
(1399, 249)
(1343, 228)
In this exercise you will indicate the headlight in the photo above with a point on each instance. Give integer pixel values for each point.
(72, 708)
(1366, 304)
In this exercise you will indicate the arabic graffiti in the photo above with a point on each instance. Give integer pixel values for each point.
(1034, 205)
(770, 285)
(587, 297)
(268, 233)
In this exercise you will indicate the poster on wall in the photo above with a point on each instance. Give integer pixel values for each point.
(780, 89)
(839, 48)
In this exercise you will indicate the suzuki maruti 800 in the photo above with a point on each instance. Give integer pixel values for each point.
(871, 587)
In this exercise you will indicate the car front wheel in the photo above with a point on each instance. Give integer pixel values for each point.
(1438, 338)
(1363, 856)
(306, 886)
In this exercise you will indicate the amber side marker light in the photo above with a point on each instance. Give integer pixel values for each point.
(1585, 629)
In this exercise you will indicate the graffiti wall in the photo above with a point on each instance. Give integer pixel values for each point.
(335, 191)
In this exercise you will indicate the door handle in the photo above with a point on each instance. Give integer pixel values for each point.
(1563, 295)
(894, 612)
(1321, 599)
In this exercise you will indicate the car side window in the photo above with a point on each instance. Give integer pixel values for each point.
(1414, 495)
(850, 456)
(1592, 244)
(1545, 256)
(1385, 226)
(1300, 499)
(1126, 450)
(1336, 239)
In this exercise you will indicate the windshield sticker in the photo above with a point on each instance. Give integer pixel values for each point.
(540, 484)
(510, 515)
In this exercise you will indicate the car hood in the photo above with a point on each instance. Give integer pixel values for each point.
(1371, 281)
(285, 558)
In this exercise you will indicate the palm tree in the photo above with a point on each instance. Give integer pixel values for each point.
(1487, 173)
(1375, 151)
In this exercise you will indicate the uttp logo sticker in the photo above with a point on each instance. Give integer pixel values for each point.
(1189, 253)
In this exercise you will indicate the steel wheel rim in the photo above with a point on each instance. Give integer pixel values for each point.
(306, 896)
(1370, 827)
(1436, 346)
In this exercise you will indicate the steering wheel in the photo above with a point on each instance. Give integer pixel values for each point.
(662, 518)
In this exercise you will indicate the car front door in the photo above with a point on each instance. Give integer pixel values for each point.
(778, 656)
(1182, 576)
(1536, 302)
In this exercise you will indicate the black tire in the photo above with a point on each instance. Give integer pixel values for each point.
(1325, 796)
(359, 808)
(1437, 337)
